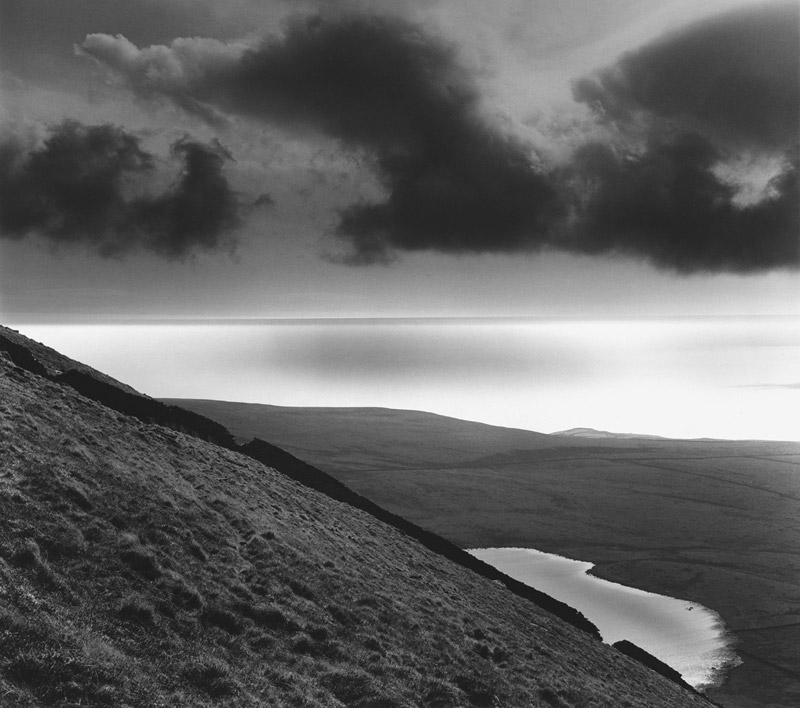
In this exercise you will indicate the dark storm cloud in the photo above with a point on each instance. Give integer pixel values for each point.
(389, 91)
(83, 186)
(734, 78)
(196, 212)
(691, 119)
(720, 91)
(667, 204)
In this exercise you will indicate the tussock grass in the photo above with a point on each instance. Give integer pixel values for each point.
(627, 504)
(180, 593)
(136, 610)
(212, 676)
(348, 685)
(246, 588)
(222, 618)
(54, 677)
(270, 616)
(142, 561)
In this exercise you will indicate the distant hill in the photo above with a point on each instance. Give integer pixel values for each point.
(604, 434)
(141, 565)
(607, 435)
(356, 438)
(711, 521)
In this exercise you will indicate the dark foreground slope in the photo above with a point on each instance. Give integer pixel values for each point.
(709, 521)
(140, 566)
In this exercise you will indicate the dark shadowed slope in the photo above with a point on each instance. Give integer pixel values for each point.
(709, 521)
(142, 566)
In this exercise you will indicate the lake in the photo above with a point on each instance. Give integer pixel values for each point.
(684, 635)
(724, 377)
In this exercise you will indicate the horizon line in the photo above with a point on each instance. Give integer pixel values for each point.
(367, 319)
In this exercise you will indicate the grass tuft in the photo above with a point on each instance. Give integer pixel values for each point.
(28, 555)
(482, 649)
(318, 633)
(222, 618)
(500, 655)
(565, 697)
(61, 540)
(301, 590)
(136, 610)
(348, 685)
(305, 645)
(342, 615)
(182, 594)
(77, 495)
(442, 695)
(479, 691)
(142, 561)
(197, 551)
(269, 616)
(213, 677)
(61, 679)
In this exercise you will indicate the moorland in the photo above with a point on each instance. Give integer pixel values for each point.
(146, 560)
(716, 522)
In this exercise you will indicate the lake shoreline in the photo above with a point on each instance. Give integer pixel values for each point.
(708, 521)
(702, 650)
(720, 674)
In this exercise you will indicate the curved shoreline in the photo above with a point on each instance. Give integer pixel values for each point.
(700, 649)
(719, 674)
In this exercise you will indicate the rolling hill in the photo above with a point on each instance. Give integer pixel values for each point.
(705, 520)
(146, 560)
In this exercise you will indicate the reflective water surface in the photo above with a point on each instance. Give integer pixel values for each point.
(684, 635)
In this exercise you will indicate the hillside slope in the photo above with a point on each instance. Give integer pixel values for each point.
(709, 521)
(140, 566)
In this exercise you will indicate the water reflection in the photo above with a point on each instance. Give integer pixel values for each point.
(684, 635)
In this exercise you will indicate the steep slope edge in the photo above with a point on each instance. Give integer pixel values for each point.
(105, 390)
(711, 522)
(141, 566)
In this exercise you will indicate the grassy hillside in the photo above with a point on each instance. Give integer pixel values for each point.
(710, 521)
(141, 566)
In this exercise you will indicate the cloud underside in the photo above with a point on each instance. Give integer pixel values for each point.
(389, 92)
(680, 125)
(85, 186)
(679, 111)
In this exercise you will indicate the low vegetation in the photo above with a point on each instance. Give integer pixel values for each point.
(140, 566)
(709, 521)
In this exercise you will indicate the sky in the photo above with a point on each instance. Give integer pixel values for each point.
(612, 158)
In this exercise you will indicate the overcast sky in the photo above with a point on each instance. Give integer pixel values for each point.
(177, 158)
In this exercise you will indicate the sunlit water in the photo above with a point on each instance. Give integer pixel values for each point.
(695, 377)
(684, 635)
